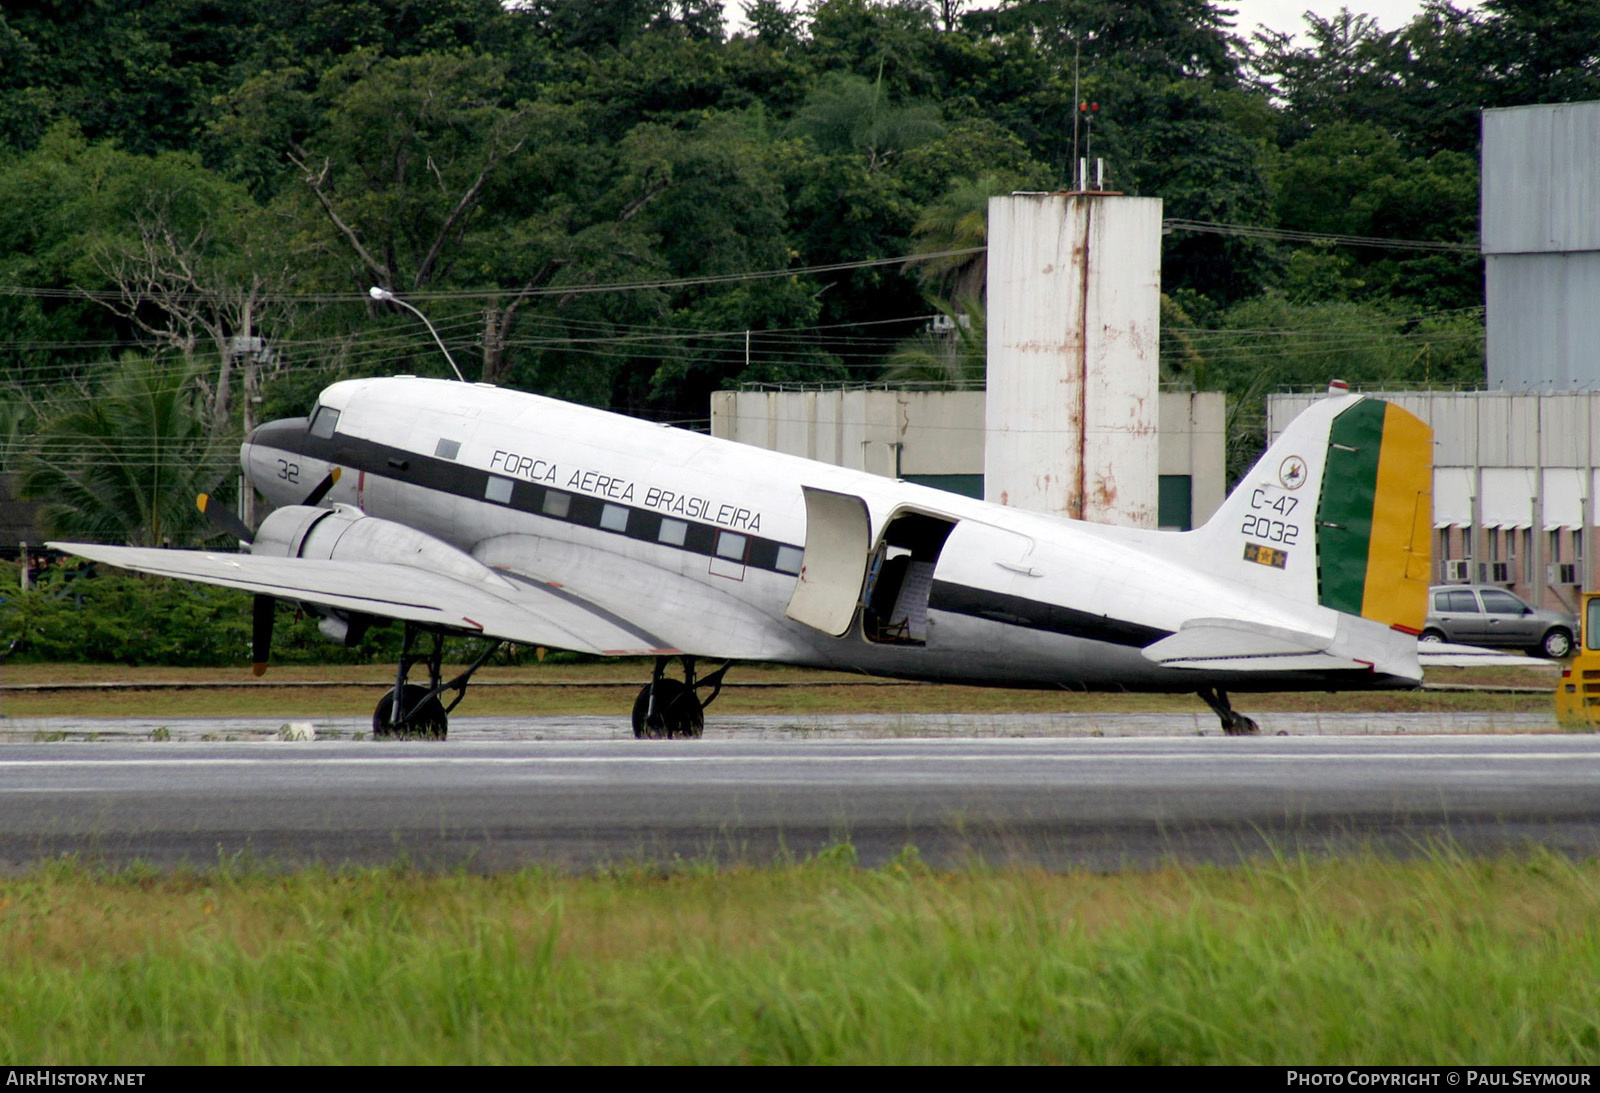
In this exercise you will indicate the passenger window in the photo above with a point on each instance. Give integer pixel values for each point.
(1591, 624)
(789, 559)
(1463, 603)
(498, 489)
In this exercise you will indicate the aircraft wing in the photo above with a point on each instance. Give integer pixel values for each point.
(534, 613)
(1246, 646)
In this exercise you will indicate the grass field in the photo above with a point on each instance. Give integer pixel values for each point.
(1368, 960)
(532, 693)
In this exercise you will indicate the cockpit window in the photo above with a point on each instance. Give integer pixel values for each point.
(324, 421)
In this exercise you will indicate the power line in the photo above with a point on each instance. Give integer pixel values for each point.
(1254, 231)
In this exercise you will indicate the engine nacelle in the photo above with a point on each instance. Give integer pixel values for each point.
(346, 534)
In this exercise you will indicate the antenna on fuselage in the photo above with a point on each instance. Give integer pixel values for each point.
(384, 294)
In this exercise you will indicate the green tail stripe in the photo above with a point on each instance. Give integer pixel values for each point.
(1344, 515)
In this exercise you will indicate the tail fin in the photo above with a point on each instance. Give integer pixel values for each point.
(1338, 512)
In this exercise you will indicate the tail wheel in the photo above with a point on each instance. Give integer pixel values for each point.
(677, 714)
(428, 722)
(1557, 643)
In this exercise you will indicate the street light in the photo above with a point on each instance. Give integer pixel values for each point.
(384, 294)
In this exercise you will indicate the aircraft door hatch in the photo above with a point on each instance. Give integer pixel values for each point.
(838, 546)
(899, 582)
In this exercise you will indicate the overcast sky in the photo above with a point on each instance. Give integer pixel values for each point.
(1277, 14)
(1286, 14)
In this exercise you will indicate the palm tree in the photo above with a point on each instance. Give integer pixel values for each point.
(958, 221)
(950, 358)
(124, 463)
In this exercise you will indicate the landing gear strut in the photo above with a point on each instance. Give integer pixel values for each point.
(667, 708)
(421, 716)
(1233, 723)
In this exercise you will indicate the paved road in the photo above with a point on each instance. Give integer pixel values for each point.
(745, 727)
(1055, 801)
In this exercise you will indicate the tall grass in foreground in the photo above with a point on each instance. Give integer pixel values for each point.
(1449, 960)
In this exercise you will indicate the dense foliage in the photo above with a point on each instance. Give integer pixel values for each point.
(216, 183)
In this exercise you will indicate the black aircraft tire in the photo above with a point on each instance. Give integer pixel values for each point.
(678, 712)
(428, 723)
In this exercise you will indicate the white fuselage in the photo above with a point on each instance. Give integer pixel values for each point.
(704, 537)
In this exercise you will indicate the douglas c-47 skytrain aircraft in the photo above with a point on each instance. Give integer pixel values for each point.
(466, 509)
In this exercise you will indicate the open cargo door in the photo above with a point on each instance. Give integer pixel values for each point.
(838, 545)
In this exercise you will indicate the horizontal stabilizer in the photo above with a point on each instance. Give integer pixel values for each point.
(1207, 638)
(1236, 645)
(1443, 654)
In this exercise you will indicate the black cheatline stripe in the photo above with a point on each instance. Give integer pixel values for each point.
(1037, 615)
(594, 609)
(447, 476)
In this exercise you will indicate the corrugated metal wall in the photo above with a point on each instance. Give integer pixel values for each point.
(1541, 245)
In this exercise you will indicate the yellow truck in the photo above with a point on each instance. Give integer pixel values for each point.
(1578, 694)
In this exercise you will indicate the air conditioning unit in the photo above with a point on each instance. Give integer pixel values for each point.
(1455, 571)
(1561, 573)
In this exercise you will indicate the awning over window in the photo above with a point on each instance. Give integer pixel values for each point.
(1563, 498)
(1452, 497)
(1507, 497)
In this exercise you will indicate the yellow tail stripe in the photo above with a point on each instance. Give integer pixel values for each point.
(1399, 552)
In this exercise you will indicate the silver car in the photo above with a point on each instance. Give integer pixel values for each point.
(1485, 614)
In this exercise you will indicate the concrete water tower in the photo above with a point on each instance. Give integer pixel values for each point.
(1074, 327)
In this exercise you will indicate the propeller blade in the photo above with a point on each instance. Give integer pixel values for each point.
(327, 483)
(223, 518)
(262, 612)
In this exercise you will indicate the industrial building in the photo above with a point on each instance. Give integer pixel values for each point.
(937, 438)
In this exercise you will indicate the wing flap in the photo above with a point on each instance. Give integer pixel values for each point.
(521, 612)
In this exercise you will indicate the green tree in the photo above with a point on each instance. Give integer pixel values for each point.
(123, 462)
(848, 113)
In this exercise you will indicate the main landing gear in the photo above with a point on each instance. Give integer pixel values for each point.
(667, 708)
(421, 715)
(1233, 723)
